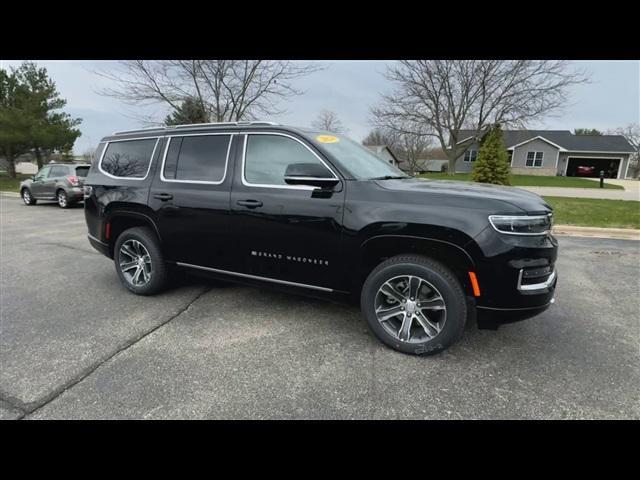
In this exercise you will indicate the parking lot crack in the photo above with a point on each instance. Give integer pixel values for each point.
(33, 407)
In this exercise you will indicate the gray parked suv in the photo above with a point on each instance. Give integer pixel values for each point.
(62, 182)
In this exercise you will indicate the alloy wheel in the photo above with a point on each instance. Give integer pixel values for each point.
(62, 199)
(410, 309)
(26, 196)
(135, 263)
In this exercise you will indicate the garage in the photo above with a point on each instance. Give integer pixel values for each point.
(591, 167)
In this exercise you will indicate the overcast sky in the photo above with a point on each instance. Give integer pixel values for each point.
(349, 88)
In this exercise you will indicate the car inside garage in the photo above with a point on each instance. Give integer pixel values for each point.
(591, 167)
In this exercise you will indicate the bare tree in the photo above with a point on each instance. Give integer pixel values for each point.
(382, 136)
(329, 121)
(414, 148)
(632, 133)
(443, 97)
(227, 90)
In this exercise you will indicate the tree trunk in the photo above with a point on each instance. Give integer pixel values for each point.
(451, 170)
(11, 164)
(38, 153)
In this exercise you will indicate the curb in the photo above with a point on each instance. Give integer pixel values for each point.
(594, 232)
(9, 194)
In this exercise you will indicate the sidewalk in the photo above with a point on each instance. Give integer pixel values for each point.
(594, 232)
(600, 193)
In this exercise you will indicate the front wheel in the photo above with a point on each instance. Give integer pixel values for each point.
(27, 198)
(414, 304)
(139, 262)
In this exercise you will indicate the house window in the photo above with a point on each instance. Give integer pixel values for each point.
(470, 155)
(534, 159)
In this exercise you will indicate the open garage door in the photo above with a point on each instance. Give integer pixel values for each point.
(590, 167)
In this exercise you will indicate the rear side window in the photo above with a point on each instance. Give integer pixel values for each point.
(58, 171)
(82, 171)
(267, 157)
(201, 158)
(128, 159)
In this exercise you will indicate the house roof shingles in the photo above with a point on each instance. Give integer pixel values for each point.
(564, 138)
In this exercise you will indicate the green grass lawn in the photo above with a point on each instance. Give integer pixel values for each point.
(10, 184)
(590, 212)
(530, 180)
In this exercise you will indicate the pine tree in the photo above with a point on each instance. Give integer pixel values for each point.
(492, 164)
(190, 111)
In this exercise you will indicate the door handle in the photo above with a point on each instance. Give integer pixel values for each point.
(163, 196)
(250, 203)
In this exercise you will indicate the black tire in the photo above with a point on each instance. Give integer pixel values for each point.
(62, 199)
(438, 276)
(27, 198)
(159, 277)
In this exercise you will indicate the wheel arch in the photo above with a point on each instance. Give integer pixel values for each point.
(377, 249)
(118, 220)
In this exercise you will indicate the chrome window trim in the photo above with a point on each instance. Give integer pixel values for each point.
(286, 187)
(200, 182)
(106, 147)
(520, 217)
(255, 277)
(326, 179)
(535, 286)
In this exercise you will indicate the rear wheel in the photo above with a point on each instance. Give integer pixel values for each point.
(27, 198)
(63, 200)
(139, 263)
(414, 304)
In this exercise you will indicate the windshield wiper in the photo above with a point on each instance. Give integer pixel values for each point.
(390, 177)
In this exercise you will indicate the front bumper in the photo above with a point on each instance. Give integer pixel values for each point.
(517, 274)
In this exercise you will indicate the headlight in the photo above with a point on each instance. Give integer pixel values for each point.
(522, 224)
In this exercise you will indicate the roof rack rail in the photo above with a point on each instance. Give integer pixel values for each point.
(197, 125)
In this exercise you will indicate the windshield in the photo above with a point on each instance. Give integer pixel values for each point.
(358, 160)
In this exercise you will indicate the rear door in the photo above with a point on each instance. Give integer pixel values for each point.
(58, 173)
(285, 233)
(190, 197)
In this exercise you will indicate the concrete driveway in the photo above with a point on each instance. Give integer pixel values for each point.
(75, 344)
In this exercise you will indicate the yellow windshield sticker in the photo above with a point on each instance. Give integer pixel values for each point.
(327, 139)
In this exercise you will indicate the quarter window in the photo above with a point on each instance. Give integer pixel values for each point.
(267, 157)
(534, 159)
(128, 159)
(200, 158)
(470, 155)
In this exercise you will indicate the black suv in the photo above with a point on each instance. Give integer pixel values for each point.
(314, 212)
(62, 182)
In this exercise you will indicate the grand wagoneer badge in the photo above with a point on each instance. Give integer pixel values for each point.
(290, 258)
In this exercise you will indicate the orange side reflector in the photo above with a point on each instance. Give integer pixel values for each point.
(474, 284)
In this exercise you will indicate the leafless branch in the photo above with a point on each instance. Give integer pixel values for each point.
(440, 98)
(228, 90)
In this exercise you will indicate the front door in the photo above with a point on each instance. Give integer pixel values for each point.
(190, 196)
(37, 187)
(284, 232)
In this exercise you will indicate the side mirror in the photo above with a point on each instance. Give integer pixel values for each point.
(311, 174)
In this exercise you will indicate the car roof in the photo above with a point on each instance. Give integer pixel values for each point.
(201, 127)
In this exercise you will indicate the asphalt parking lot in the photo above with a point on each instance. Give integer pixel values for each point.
(74, 344)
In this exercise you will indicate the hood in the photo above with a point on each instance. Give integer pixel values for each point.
(517, 197)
